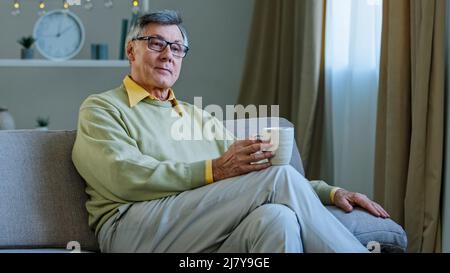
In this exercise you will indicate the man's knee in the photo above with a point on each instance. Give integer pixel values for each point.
(287, 170)
(278, 229)
(288, 174)
(276, 217)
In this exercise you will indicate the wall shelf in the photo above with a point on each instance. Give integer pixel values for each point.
(69, 63)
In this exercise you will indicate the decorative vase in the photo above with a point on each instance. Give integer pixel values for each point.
(6, 120)
(102, 50)
(26, 53)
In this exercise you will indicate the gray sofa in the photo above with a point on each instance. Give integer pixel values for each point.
(42, 197)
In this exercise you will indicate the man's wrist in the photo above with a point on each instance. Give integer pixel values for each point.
(215, 170)
(333, 194)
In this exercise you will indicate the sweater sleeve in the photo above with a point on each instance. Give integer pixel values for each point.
(324, 191)
(223, 137)
(112, 164)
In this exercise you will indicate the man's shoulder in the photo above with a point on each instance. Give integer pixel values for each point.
(107, 100)
(190, 107)
(184, 104)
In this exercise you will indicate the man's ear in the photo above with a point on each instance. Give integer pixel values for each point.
(130, 51)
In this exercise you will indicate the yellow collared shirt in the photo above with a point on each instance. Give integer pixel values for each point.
(137, 93)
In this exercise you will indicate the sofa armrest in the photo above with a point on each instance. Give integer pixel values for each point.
(368, 228)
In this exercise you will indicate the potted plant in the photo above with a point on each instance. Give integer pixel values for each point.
(26, 42)
(42, 123)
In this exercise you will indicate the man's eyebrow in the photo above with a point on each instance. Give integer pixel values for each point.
(161, 37)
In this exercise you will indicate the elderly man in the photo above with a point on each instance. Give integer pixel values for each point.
(152, 193)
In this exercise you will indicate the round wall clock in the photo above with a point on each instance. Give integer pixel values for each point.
(59, 35)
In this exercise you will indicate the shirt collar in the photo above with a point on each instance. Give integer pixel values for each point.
(137, 93)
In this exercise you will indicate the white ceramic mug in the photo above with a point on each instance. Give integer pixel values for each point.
(282, 140)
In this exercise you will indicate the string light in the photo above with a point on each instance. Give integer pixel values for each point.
(136, 6)
(88, 5)
(16, 8)
(65, 4)
(41, 8)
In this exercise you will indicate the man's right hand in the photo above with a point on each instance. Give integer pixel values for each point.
(237, 160)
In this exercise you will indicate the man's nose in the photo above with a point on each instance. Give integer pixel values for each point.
(166, 54)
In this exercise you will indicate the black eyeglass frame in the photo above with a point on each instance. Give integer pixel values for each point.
(147, 38)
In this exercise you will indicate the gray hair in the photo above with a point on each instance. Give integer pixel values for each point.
(164, 17)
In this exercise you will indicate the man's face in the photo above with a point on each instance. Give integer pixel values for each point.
(152, 69)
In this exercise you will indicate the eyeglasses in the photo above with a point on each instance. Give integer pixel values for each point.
(158, 44)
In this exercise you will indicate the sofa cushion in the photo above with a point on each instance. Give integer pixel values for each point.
(42, 197)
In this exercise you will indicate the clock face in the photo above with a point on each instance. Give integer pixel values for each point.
(59, 35)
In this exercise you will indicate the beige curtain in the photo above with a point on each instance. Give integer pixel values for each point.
(410, 121)
(285, 66)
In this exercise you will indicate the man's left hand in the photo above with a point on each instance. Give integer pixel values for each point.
(346, 200)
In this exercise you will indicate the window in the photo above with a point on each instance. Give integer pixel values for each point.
(353, 35)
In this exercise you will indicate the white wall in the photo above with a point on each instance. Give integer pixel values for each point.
(218, 32)
(446, 201)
